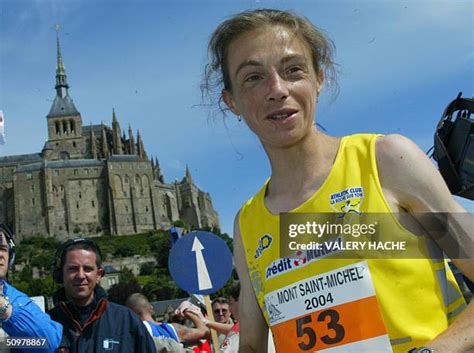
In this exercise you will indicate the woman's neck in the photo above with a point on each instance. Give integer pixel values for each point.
(299, 171)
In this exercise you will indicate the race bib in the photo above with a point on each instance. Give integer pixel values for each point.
(332, 312)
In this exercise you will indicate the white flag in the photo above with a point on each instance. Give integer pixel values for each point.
(2, 132)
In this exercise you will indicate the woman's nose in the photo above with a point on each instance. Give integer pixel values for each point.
(277, 87)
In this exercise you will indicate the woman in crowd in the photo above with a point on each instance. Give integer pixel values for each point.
(271, 66)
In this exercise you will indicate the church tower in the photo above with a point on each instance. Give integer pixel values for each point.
(116, 134)
(65, 140)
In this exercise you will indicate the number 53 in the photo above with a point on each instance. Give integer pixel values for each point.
(308, 331)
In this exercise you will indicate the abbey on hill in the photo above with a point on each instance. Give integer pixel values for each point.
(93, 180)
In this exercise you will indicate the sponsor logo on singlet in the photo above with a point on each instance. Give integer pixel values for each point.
(301, 259)
(264, 243)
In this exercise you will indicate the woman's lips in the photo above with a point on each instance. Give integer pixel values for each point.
(282, 114)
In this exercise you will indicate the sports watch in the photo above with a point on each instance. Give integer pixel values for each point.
(421, 350)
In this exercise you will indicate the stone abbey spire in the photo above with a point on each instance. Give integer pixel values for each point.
(65, 139)
(116, 134)
(61, 77)
(140, 147)
(131, 141)
(188, 176)
(62, 104)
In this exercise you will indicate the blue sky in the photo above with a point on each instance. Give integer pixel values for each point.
(400, 63)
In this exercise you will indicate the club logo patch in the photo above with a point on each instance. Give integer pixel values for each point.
(347, 201)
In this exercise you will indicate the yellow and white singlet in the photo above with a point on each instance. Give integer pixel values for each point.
(319, 304)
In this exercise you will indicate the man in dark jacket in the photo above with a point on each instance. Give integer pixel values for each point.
(92, 324)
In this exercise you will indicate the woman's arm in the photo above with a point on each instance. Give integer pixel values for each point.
(411, 181)
(253, 328)
(190, 334)
(219, 327)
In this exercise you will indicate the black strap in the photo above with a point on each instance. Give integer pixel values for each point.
(446, 165)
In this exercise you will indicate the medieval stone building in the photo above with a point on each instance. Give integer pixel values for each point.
(93, 180)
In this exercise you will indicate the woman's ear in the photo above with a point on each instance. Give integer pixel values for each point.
(229, 101)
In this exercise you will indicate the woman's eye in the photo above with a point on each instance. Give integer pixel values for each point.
(294, 69)
(251, 78)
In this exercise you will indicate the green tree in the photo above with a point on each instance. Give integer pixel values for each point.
(160, 246)
(42, 260)
(126, 275)
(37, 287)
(44, 287)
(159, 292)
(162, 287)
(224, 236)
(229, 241)
(124, 250)
(224, 291)
(119, 292)
(147, 269)
(182, 224)
(152, 291)
(26, 274)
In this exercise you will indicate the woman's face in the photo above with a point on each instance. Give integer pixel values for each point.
(274, 85)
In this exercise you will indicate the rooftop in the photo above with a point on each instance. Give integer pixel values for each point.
(63, 106)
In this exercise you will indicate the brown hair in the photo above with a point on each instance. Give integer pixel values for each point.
(216, 75)
(220, 300)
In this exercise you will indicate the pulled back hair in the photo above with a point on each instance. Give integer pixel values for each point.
(216, 74)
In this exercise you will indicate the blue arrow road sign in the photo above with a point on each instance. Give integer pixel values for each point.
(200, 263)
